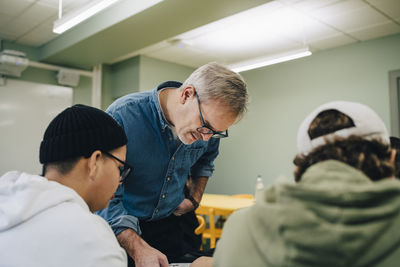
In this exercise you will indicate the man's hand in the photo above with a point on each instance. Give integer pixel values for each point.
(202, 262)
(185, 206)
(141, 252)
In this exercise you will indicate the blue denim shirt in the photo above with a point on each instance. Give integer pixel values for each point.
(161, 165)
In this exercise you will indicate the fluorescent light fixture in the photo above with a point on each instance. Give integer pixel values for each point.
(77, 16)
(265, 61)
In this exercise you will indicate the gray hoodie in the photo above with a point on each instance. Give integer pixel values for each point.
(43, 223)
(336, 216)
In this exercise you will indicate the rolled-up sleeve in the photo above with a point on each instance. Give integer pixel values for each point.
(204, 166)
(117, 217)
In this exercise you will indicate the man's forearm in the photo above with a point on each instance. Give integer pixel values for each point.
(197, 186)
(141, 252)
(129, 240)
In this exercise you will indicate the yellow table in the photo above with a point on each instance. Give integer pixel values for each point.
(215, 204)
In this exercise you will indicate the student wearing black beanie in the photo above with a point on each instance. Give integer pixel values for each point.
(79, 131)
(83, 153)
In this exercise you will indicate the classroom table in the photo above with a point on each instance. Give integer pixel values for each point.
(216, 204)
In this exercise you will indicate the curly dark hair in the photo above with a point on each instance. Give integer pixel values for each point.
(370, 156)
(395, 144)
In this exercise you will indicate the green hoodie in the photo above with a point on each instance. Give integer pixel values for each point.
(336, 216)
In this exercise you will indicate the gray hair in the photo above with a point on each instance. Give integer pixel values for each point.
(217, 82)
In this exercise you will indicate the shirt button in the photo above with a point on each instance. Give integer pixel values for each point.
(156, 210)
(169, 179)
(173, 158)
(163, 196)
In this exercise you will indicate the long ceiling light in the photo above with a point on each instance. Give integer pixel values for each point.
(77, 16)
(265, 61)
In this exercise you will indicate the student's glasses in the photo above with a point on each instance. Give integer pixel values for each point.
(205, 129)
(124, 170)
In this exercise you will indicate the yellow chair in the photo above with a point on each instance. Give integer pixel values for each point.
(202, 225)
(212, 232)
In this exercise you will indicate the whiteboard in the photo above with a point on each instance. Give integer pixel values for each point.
(26, 110)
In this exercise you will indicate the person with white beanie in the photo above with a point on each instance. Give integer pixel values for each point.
(343, 210)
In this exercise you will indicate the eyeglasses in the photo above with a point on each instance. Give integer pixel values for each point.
(204, 129)
(124, 170)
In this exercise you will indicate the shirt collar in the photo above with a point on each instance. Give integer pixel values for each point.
(168, 84)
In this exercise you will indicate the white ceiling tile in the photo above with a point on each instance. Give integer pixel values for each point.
(31, 19)
(331, 42)
(28, 20)
(14, 7)
(239, 46)
(354, 19)
(310, 5)
(181, 55)
(247, 19)
(47, 38)
(50, 3)
(4, 19)
(388, 7)
(66, 4)
(72, 5)
(289, 2)
(309, 29)
(77, 2)
(34, 40)
(16, 29)
(38, 13)
(376, 31)
(338, 8)
(38, 36)
(235, 37)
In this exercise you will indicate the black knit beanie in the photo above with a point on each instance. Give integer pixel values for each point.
(79, 131)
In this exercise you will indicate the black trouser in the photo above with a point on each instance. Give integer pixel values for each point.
(165, 235)
(174, 236)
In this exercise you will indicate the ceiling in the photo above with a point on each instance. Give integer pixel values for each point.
(30, 22)
(192, 32)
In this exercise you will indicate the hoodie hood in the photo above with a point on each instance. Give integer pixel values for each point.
(336, 216)
(23, 195)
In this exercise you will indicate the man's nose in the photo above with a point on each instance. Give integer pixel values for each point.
(206, 137)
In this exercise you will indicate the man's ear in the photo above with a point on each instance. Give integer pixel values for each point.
(93, 164)
(187, 93)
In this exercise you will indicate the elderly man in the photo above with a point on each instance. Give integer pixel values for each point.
(173, 135)
(344, 209)
(47, 220)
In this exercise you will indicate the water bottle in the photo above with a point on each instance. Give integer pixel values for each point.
(259, 189)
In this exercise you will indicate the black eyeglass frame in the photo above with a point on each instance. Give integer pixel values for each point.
(207, 129)
(125, 170)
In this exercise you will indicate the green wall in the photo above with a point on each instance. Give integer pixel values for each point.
(106, 92)
(125, 77)
(154, 71)
(283, 94)
(136, 74)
